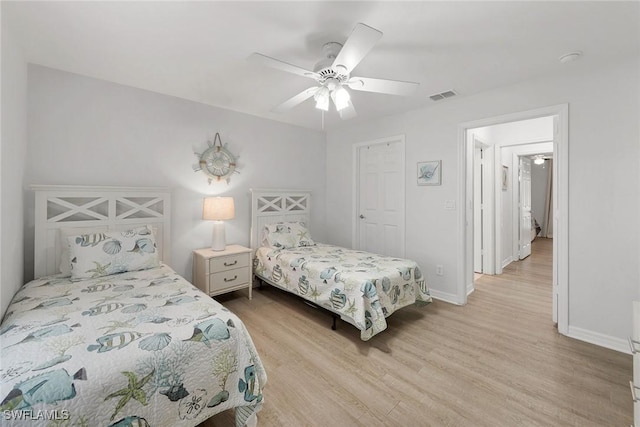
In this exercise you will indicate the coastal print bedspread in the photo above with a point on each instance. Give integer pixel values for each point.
(362, 287)
(138, 349)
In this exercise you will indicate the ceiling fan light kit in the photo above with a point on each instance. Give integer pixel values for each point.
(340, 98)
(539, 159)
(333, 73)
(322, 98)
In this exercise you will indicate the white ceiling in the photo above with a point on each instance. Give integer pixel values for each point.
(198, 50)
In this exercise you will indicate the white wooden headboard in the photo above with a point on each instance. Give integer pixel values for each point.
(100, 208)
(270, 206)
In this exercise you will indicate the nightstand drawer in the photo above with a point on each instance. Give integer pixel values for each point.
(228, 279)
(228, 262)
(219, 272)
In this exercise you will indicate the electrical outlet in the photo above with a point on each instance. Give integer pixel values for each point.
(439, 270)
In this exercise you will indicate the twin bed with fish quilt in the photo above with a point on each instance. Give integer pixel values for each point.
(360, 287)
(122, 340)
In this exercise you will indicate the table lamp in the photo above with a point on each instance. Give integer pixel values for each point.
(218, 209)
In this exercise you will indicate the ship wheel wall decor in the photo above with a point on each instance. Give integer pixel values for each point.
(216, 161)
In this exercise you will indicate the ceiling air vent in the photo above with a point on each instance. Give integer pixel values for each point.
(443, 95)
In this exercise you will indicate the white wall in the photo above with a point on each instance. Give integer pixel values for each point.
(603, 132)
(88, 131)
(12, 165)
(520, 132)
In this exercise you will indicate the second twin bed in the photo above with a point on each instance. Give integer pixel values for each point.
(360, 287)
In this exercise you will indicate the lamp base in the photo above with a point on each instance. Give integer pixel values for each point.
(219, 242)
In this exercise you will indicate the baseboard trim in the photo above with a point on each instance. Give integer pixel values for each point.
(599, 339)
(470, 289)
(445, 296)
(507, 261)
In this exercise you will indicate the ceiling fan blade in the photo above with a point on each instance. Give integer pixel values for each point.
(299, 98)
(348, 112)
(392, 87)
(280, 65)
(355, 48)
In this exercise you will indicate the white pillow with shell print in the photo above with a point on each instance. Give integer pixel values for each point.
(65, 260)
(102, 254)
(286, 235)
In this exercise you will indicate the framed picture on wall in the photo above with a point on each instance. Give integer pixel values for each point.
(505, 178)
(430, 173)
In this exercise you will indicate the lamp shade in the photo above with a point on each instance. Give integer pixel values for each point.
(218, 208)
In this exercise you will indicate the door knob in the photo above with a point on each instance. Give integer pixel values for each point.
(361, 216)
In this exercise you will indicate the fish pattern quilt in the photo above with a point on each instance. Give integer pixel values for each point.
(137, 349)
(363, 288)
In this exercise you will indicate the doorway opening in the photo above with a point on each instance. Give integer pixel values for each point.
(509, 211)
(499, 223)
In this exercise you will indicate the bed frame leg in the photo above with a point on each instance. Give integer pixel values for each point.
(333, 326)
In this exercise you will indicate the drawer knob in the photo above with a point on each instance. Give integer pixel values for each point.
(229, 264)
(232, 279)
(635, 345)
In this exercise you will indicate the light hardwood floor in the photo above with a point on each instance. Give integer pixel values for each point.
(498, 361)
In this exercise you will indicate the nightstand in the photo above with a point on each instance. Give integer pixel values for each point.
(218, 272)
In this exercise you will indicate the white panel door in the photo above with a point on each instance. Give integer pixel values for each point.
(554, 220)
(525, 207)
(477, 209)
(381, 199)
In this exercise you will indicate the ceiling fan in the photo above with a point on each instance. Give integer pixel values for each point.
(333, 74)
(539, 159)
